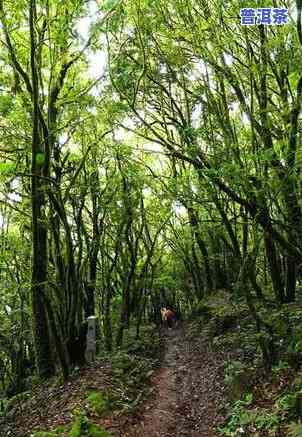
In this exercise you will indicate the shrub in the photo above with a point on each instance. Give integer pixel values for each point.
(294, 430)
(82, 427)
(98, 402)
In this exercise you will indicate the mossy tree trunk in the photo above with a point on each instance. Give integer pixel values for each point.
(39, 170)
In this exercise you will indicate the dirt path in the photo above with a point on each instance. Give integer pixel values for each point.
(188, 391)
(186, 401)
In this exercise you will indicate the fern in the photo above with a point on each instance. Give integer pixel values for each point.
(295, 430)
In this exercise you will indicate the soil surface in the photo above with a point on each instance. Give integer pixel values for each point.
(51, 404)
(188, 398)
(187, 395)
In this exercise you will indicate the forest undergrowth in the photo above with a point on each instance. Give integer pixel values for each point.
(94, 398)
(205, 378)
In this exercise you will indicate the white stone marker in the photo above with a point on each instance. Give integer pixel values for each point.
(91, 339)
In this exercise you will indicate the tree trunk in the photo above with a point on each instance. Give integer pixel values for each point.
(202, 246)
(44, 360)
(291, 272)
(107, 321)
(274, 267)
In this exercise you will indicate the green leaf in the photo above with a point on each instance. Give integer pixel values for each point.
(40, 159)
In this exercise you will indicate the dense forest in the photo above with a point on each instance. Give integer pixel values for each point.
(150, 155)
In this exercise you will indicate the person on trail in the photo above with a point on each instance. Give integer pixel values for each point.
(168, 317)
(174, 315)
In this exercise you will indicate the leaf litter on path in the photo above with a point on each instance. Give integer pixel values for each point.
(188, 394)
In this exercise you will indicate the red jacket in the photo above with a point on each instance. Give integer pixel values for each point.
(170, 314)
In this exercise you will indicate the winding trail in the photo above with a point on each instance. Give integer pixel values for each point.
(188, 397)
